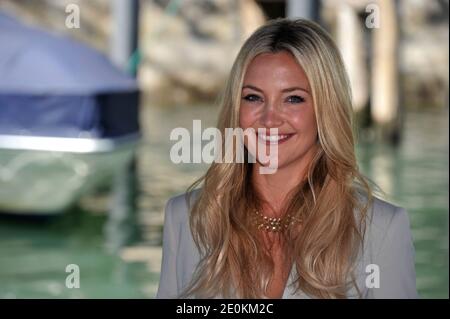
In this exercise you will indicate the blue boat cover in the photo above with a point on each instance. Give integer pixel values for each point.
(51, 85)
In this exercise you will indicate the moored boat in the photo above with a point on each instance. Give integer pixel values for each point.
(68, 119)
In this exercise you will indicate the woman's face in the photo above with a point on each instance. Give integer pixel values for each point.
(276, 94)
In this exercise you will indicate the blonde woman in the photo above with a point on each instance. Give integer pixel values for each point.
(312, 229)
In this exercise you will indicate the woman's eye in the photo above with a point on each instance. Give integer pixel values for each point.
(295, 99)
(252, 98)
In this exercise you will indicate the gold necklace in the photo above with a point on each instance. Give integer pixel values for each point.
(273, 224)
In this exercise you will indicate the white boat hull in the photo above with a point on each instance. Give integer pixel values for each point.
(43, 175)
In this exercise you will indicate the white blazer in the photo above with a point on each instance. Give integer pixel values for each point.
(387, 244)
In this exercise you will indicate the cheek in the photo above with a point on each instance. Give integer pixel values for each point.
(303, 121)
(246, 118)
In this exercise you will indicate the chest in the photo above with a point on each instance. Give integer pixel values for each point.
(281, 272)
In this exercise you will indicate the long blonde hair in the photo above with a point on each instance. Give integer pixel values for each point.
(234, 262)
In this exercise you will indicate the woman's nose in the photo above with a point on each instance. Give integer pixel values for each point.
(271, 116)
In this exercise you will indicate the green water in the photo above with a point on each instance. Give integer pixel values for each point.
(34, 252)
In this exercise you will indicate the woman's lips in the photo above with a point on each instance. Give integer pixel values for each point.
(274, 139)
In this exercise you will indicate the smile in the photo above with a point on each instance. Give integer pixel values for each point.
(274, 139)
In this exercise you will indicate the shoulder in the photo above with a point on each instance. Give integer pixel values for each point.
(386, 223)
(177, 207)
(384, 215)
(381, 213)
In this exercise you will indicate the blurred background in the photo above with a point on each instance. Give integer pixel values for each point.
(93, 193)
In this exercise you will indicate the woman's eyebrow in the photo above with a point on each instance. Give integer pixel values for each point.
(294, 88)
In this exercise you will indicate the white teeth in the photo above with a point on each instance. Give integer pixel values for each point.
(272, 138)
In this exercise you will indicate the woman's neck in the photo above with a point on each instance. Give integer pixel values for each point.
(275, 188)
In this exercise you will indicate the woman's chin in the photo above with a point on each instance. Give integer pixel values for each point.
(274, 164)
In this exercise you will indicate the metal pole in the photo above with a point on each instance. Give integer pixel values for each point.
(124, 41)
(306, 9)
(121, 225)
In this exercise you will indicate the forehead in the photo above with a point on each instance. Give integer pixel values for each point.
(275, 67)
